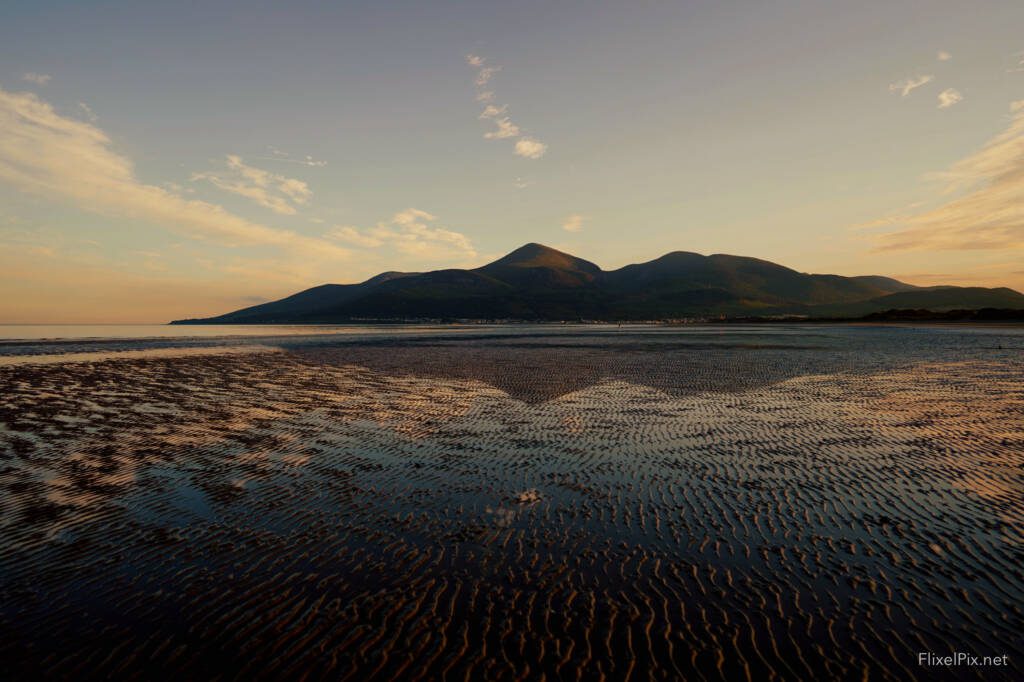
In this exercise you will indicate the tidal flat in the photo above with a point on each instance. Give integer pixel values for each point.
(710, 503)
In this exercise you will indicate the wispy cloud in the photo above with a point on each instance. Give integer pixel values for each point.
(36, 78)
(410, 232)
(278, 155)
(943, 56)
(505, 128)
(492, 111)
(485, 74)
(896, 218)
(89, 113)
(1017, 63)
(279, 193)
(526, 147)
(530, 148)
(989, 214)
(949, 97)
(908, 85)
(573, 223)
(54, 156)
(351, 235)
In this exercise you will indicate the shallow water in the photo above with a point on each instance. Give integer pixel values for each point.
(708, 503)
(23, 332)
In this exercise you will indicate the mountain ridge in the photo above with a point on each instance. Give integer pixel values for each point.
(537, 282)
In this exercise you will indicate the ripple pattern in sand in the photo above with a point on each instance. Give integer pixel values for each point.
(289, 516)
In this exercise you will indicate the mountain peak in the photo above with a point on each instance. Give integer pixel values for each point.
(529, 252)
(537, 282)
(534, 255)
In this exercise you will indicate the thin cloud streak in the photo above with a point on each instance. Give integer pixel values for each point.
(89, 113)
(36, 78)
(47, 154)
(990, 215)
(908, 85)
(410, 232)
(279, 193)
(284, 157)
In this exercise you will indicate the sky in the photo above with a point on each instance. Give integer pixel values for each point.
(168, 160)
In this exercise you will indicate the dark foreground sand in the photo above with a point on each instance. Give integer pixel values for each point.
(820, 505)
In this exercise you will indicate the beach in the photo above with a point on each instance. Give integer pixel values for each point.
(784, 502)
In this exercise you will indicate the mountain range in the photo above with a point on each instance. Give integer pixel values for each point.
(536, 282)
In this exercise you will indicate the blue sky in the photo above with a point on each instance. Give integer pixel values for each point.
(159, 160)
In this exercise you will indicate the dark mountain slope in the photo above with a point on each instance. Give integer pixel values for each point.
(936, 299)
(308, 302)
(888, 284)
(748, 278)
(536, 266)
(536, 282)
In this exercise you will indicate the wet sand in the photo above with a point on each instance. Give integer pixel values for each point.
(823, 503)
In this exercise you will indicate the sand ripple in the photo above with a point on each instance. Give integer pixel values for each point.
(513, 511)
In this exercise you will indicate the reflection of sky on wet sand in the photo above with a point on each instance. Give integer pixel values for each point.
(318, 408)
(100, 356)
(904, 474)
